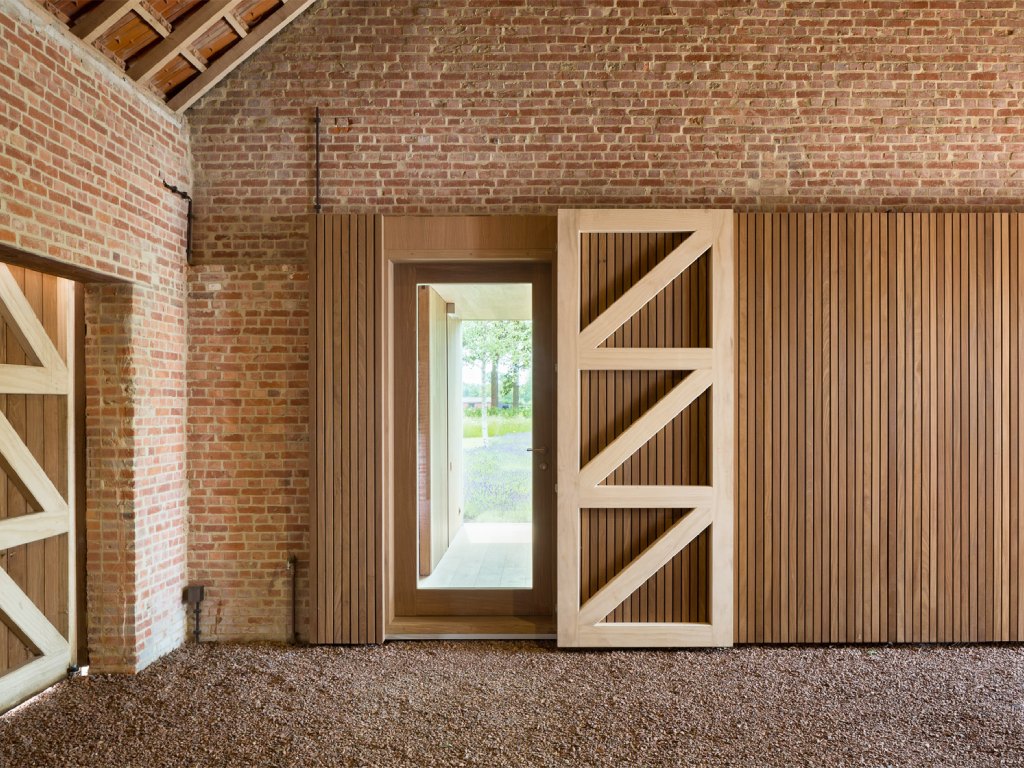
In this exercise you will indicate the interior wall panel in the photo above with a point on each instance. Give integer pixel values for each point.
(879, 360)
(878, 380)
(345, 430)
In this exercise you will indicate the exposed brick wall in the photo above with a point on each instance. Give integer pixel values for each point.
(442, 106)
(82, 153)
(248, 454)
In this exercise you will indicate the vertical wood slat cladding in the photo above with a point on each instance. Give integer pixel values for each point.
(40, 568)
(612, 400)
(346, 435)
(879, 453)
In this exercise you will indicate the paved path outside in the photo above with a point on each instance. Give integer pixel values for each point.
(486, 556)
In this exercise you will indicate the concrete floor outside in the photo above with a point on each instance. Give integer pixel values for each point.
(528, 704)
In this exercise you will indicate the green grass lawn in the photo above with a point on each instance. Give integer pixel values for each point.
(499, 479)
(497, 425)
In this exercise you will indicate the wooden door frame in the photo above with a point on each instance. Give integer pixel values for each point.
(538, 600)
(82, 278)
(447, 239)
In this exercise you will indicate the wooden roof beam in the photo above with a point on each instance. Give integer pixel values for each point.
(237, 53)
(181, 37)
(91, 26)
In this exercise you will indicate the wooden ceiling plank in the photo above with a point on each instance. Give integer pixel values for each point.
(90, 26)
(154, 20)
(180, 38)
(240, 29)
(237, 53)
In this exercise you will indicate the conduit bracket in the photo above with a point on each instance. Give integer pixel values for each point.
(317, 207)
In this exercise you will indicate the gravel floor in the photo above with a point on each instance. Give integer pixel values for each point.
(493, 704)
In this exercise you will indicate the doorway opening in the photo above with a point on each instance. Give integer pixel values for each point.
(474, 424)
(475, 435)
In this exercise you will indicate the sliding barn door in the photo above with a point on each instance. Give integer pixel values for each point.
(37, 596)
(646, 439)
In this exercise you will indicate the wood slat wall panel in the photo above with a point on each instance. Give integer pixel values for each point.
(879, 459)
(345, 430)
(40, 568)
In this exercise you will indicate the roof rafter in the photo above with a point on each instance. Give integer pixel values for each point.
(177, 48)
(159, 25)
(240, 29)
(237, 53)
(180, 39)
(194, 59)
(93, 24)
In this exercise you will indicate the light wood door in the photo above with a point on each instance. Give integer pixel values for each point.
(434, 506)
(37, 552)
(410, 599)
(646, 437)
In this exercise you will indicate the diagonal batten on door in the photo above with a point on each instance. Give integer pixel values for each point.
(38, 639)
(645, 459)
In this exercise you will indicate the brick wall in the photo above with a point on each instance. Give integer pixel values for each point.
(82, 153)
(434, 106)
(248, 456)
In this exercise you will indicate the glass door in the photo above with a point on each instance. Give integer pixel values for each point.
(474, 438)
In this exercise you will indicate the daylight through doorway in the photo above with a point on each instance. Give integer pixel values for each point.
(475, 436)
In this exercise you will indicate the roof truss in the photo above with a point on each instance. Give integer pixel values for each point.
(179, 49)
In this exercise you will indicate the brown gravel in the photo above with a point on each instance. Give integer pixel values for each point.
(491, 703)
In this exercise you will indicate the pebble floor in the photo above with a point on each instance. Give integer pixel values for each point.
(528, 704)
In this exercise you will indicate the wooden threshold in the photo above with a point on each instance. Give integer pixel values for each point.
(469, 627)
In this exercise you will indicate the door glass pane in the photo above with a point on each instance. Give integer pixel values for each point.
(474, 435)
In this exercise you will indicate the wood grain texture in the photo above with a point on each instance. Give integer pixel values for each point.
(651, 293)
(613, 400)
(408, 599)
(878, 366)
(345, 430)
(37, 487)
(878, 383)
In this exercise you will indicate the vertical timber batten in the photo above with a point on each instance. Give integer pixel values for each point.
(346, 445)
(907, 453)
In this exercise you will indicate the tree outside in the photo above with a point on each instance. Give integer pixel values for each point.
(497, 358)
(500, 352)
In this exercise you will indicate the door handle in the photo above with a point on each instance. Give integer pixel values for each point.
(543, 465)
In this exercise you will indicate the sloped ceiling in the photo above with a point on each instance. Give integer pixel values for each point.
(179, 49)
